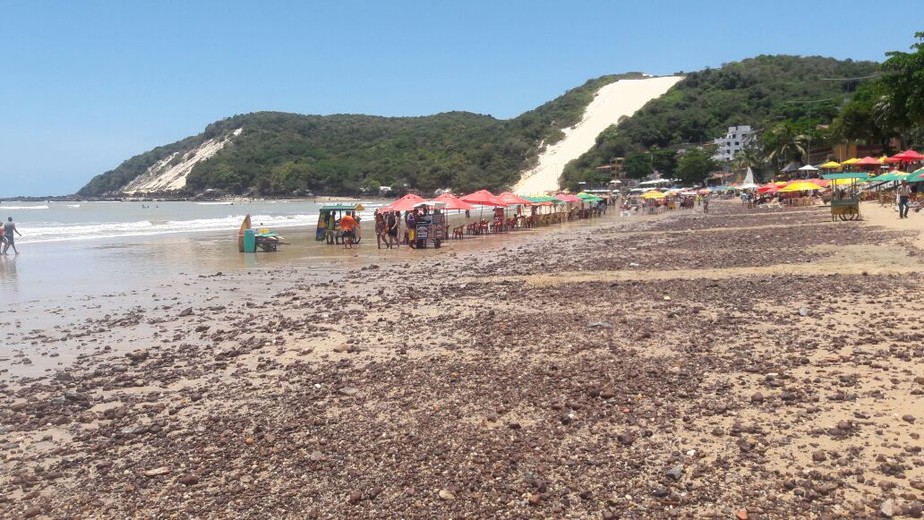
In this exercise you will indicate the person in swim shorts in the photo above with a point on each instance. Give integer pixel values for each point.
(8, 229)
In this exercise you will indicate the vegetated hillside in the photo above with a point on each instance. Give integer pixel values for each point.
(803, 92)
(285, 154)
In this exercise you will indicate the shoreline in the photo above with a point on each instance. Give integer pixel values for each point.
(686, 364)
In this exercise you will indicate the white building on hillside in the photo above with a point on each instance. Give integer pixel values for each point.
(736, 139)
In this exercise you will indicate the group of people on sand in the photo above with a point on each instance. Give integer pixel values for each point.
(388, 224)
(386, 227)
(9, 228)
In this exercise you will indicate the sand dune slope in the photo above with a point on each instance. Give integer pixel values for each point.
(622, 98)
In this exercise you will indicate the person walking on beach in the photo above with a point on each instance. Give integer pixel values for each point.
(392, 220)
(706, 204)
(349, 225)
(410, 219)
(381, 233)
(904, 193)
(8, 229)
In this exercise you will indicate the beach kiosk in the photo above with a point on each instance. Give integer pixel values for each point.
(329, 221)
(431, 226)
(249, 240)
(845, 194)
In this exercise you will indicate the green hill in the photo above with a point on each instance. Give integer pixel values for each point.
(284, 154)
(763, 92)
(279, 154)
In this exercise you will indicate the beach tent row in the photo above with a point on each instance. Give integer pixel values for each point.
(544, 209)
(487, 199)
(906, 157)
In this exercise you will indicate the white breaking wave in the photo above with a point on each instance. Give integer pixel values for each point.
(4, 206)
(142, 228)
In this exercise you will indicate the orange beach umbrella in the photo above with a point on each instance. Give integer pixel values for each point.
(483, 198)
(405, 203)
(453, 202)
(511, 199)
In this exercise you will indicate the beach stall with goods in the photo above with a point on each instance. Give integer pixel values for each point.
(430, 223)
(845, 196)
(329, 216)
(251, 240)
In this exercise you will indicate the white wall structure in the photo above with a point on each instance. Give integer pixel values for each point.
(736, 138)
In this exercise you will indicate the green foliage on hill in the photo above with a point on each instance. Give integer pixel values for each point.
(892, 106)
(799, 93)
(286, 154)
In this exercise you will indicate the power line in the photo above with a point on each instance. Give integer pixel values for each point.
(807, 101)
(872, 76)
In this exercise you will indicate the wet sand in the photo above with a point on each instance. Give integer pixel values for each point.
(749, 363)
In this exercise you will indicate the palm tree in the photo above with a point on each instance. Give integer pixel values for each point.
(784, 144)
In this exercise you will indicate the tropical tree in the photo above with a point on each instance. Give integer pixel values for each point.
(892, 106)
(638, 165)
(783, 143)
(695, 165)
(752, 156)
(903, 79)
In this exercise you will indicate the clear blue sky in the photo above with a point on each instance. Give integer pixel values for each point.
(86, 84)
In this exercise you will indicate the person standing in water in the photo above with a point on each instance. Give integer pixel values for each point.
(8, 229)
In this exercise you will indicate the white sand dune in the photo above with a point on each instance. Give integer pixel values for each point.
(613, 101)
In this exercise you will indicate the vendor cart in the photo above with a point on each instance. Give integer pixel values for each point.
(431, 224)
(845, 194)
(847, 208)
(329, 216)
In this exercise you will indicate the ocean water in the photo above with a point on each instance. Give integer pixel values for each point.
(74, 250)
(98, 221)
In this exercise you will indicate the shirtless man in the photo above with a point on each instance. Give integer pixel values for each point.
(8, 229)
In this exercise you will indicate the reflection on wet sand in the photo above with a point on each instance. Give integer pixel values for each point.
(8, 278)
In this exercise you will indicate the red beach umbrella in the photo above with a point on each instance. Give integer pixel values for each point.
(512, 199)
(868, 161)
(567, 197)
(907, 156)
(453, 202)
(405, 203)
(483, 198)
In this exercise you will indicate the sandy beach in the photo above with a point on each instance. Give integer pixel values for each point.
(746, 363)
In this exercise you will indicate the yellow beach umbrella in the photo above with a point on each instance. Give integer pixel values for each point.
(848, 162)
(653, 194)
(830, 165)
(841, 182)
(800, 186)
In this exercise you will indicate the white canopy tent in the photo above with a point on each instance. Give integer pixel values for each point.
(749, 177)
